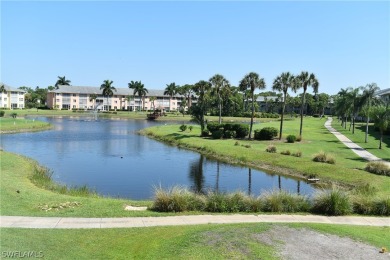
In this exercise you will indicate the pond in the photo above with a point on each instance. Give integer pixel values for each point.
(108, 156)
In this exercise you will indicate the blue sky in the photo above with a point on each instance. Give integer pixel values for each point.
(343, 43)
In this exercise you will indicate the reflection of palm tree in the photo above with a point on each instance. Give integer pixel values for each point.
(299, 187)
(279, 182)
(217, 181)
(196, 175)
(249, 181)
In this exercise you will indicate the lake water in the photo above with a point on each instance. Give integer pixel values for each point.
(109, 157)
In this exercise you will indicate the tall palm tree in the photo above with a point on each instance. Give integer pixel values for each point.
(93, 97)
(139, 88)
(62, 81)
(219, 84)
(303, 81)
(381, 118)
(252, 81)
(198, 111)
(107, 90)
(355, 103)
(342, 106)
(283, 83)
(368, 95)
(171, 90)
(2, 89)
(187, 91)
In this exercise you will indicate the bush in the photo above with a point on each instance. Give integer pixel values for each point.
(236, 143)
(271, 148)
(242, 130)
(14, 115)
(218, 134)
(283, 201)
(229, 134)
(291, 138)
(287, 152)
(267, 133)
(332, 202)
(216, 202)
(379, 168)
(190, 128)
(176, 199)
(247, 145)
(297, 154)
(324, 158)
(2, 113)
(183, 128)
(213, 126)
(205, 133)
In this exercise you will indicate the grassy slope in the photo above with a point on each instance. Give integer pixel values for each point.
(236, 241)
(347, 170)
(22, 125)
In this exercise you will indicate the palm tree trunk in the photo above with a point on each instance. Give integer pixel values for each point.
(281, 119)
(252, 115)
(380, 139)
(220, 111)
(302, 106)
(353, 125)
(366, 134)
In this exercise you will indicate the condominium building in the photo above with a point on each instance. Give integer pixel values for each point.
(91, 98)
(11, 98)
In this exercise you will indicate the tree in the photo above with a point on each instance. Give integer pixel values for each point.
(2, 89)
(93, 98)
(187, 91)
(219, 85)
(303, 81)
(283, 83)
(171, 90)
(355, 103)
(252, 81)
(342, 106)
(183, 105)
(107, 90)
(152, 99)
(62, 81)
(368, 95)
(198, 110)
(381, 116)
(139, 88)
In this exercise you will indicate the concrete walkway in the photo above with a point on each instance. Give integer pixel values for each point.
(354, 147)
(64, 223)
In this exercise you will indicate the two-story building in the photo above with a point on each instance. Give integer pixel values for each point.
(11, 98)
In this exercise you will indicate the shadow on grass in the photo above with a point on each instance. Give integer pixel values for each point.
(178, 136)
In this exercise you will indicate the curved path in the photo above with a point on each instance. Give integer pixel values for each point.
(354, 147)
(61, 223)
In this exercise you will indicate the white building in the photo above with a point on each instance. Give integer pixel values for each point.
(12, 98)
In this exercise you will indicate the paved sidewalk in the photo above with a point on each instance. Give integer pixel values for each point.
(64, 223)
(354, 147)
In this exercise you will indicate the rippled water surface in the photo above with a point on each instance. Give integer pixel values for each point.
(108, 156)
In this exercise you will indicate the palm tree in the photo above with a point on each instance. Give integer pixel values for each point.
(381, 117)
(171, 90)
(342, 106)
(198, 111)
(107, 90)
(355, 103)
(282, 83)
(62, 81)
(252, 81)
(368, 95)
(2, 89)
(93, 97)
(219, 85)
(152, 99)
(139, 88)
(187, 91)
(304, 80)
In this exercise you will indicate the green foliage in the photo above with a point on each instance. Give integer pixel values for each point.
(176, 199)
(229, 134)
(242, 130)
(333, 202)
(2, 113)
(228, 130)
(190, 128)
(379, 168)
(287, 152)
(267, 133)
(324, 158)
(214, 126)
(237, 143)
(283, 201)
(218, 134)
(291, 138)
(271, 148)
(297, 154)
(205, 133)
(183, 128)
(14, 115)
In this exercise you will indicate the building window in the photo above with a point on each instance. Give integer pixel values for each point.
(20, 99)
(74, 100)
(74, 106)
(5, 99)
(57, 100)
(58, 94)
(116, 102)
(74, 95)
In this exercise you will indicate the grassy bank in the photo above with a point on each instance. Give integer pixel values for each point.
(347, 171)
(17, 125)
(238, 241)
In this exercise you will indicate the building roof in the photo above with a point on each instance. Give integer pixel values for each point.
(269, 98)
(98, 91)
(9, 88)
(383, 92)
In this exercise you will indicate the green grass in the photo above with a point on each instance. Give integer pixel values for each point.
(359, 137)
(10, 125)
(236, 241)
(348, 171)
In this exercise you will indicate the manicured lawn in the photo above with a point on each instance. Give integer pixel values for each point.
(373, 138)
(21, 125)
(237, 241)
(316, 138)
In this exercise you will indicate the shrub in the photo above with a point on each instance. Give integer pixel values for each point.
(236, 143)
(291, 138)
(216, 202)
(271, 148)
(190, 128)
(324, 158)
(332, 202)
(297, 154)
(287, 152)
(247, 146)
(218, 134)
(379, 168)
(283, 201)
(14, 115)
(382, 207)
(205, 133)
(242, 130)
(2, 113)
(229, 134)
(183, 128)
(228, 126)
(176, 199)
(213, 126)
(267, 133)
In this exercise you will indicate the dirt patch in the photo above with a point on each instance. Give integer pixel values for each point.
(306, 244)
